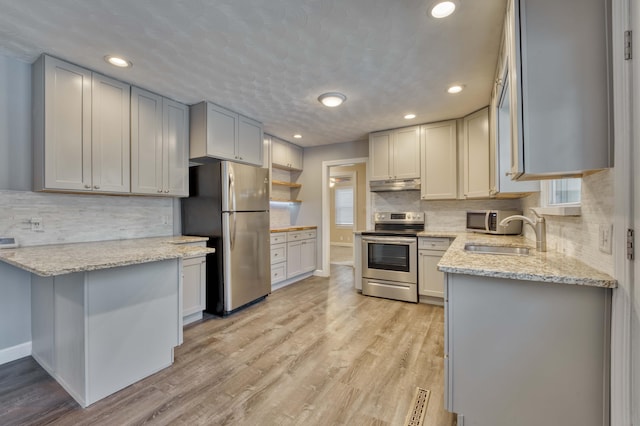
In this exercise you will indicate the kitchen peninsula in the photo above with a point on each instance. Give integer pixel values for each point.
(105, 314)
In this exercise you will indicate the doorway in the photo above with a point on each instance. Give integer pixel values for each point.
(345, 202)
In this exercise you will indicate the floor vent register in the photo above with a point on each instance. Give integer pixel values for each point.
(418, 408)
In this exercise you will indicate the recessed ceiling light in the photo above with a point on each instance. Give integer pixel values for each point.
(455, 89)
(443, 9)
(297, 136)
(410, 116)
(332, 99)
(117, 61)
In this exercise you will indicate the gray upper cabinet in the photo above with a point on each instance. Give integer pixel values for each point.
(395, 154)
(501, 184)
(560, 102)
(475, 146)
(80, 130)
(217, 132)
(439, 163)
(285, 155)
(159, 145)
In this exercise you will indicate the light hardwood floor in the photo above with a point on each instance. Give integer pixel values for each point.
(313, 353)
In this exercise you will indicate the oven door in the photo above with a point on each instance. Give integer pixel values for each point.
(390, 258)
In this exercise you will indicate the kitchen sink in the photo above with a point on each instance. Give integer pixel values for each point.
(488, 249)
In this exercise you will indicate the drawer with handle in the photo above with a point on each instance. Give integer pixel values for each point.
(278, 272)
(433, 243)
(278, 253)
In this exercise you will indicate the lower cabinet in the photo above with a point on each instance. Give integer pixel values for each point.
(194, 272)
(194, 285)
(526, 353)
(293, 255)
(430, 280)
(278, 257)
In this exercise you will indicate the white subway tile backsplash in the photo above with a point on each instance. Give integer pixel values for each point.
(68, 218)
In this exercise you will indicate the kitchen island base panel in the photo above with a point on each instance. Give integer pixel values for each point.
(526, 353)
(98, 332)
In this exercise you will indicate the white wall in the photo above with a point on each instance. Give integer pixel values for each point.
(577, 236)
(66, 218)
(310, 212)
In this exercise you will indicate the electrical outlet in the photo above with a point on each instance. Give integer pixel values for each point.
(36, 224)
(605, 236)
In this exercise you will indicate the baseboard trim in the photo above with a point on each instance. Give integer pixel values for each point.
(15, 352)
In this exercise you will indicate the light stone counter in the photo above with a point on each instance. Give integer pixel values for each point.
(60, 259)
(551, 266)
(292, 228)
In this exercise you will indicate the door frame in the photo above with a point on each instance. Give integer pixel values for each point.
(326, 225)
(354, 186)
(626, 86)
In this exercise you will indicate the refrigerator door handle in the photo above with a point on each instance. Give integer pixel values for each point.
(232, 236)
(232, 192)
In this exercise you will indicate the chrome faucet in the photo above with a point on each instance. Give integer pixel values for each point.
(539, 226)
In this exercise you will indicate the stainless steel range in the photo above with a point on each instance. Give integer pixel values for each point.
(390, 256)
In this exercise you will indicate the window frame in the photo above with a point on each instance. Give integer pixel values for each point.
(557, 209)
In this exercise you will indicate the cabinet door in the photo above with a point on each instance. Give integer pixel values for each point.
(431, 281)
(194, 285)
(439, 177)
(175, 137)
(67, 126)
(249, 141)
(110, 141)
(294, 259)
(380, 153)
(279, 153)
(308, 255)
(295, 157)
(406, 153)
(476, 154)
(222, 132)
(146, 142)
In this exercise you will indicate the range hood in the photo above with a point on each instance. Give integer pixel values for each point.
(394, 185)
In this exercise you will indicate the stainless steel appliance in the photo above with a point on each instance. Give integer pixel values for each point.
(229, 202)
(488, 222)
(394, 185)
(390, 256)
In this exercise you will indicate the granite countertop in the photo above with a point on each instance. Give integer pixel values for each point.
(550, 266)
(60, 259)
(292, 228)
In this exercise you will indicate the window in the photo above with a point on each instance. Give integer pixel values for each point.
(561, 197)
(344, 206)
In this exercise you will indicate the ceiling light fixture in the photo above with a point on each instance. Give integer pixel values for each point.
(455, 89)
(118, 61)
(297, 136)
(332, 99)
(442, 9)
(409, 116)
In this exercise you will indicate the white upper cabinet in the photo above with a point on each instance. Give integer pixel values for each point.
(559, 77)
(81, 129)
(217, 132)
(475, 145)
(159, 145)
(395, 154)
(439, 175)
(285, 155)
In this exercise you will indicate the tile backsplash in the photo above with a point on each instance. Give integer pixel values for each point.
(79, 218)
(439, 215)
(577, 236)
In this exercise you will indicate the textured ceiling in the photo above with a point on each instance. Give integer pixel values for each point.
(271, 59)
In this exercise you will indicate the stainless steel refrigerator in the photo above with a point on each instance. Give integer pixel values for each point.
(229, 203)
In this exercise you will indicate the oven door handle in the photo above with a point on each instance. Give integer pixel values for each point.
(389, 240)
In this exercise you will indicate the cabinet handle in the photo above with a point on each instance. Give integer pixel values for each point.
(509, 173)
(96, 186)
(159, 191)
(87, 186)
(166, 191)
(241, 158)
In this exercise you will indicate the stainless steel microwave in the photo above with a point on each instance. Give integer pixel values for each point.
(488, 222)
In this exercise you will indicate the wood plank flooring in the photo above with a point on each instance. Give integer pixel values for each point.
(313, 353)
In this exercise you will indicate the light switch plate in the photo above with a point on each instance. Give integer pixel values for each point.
(605, 236)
